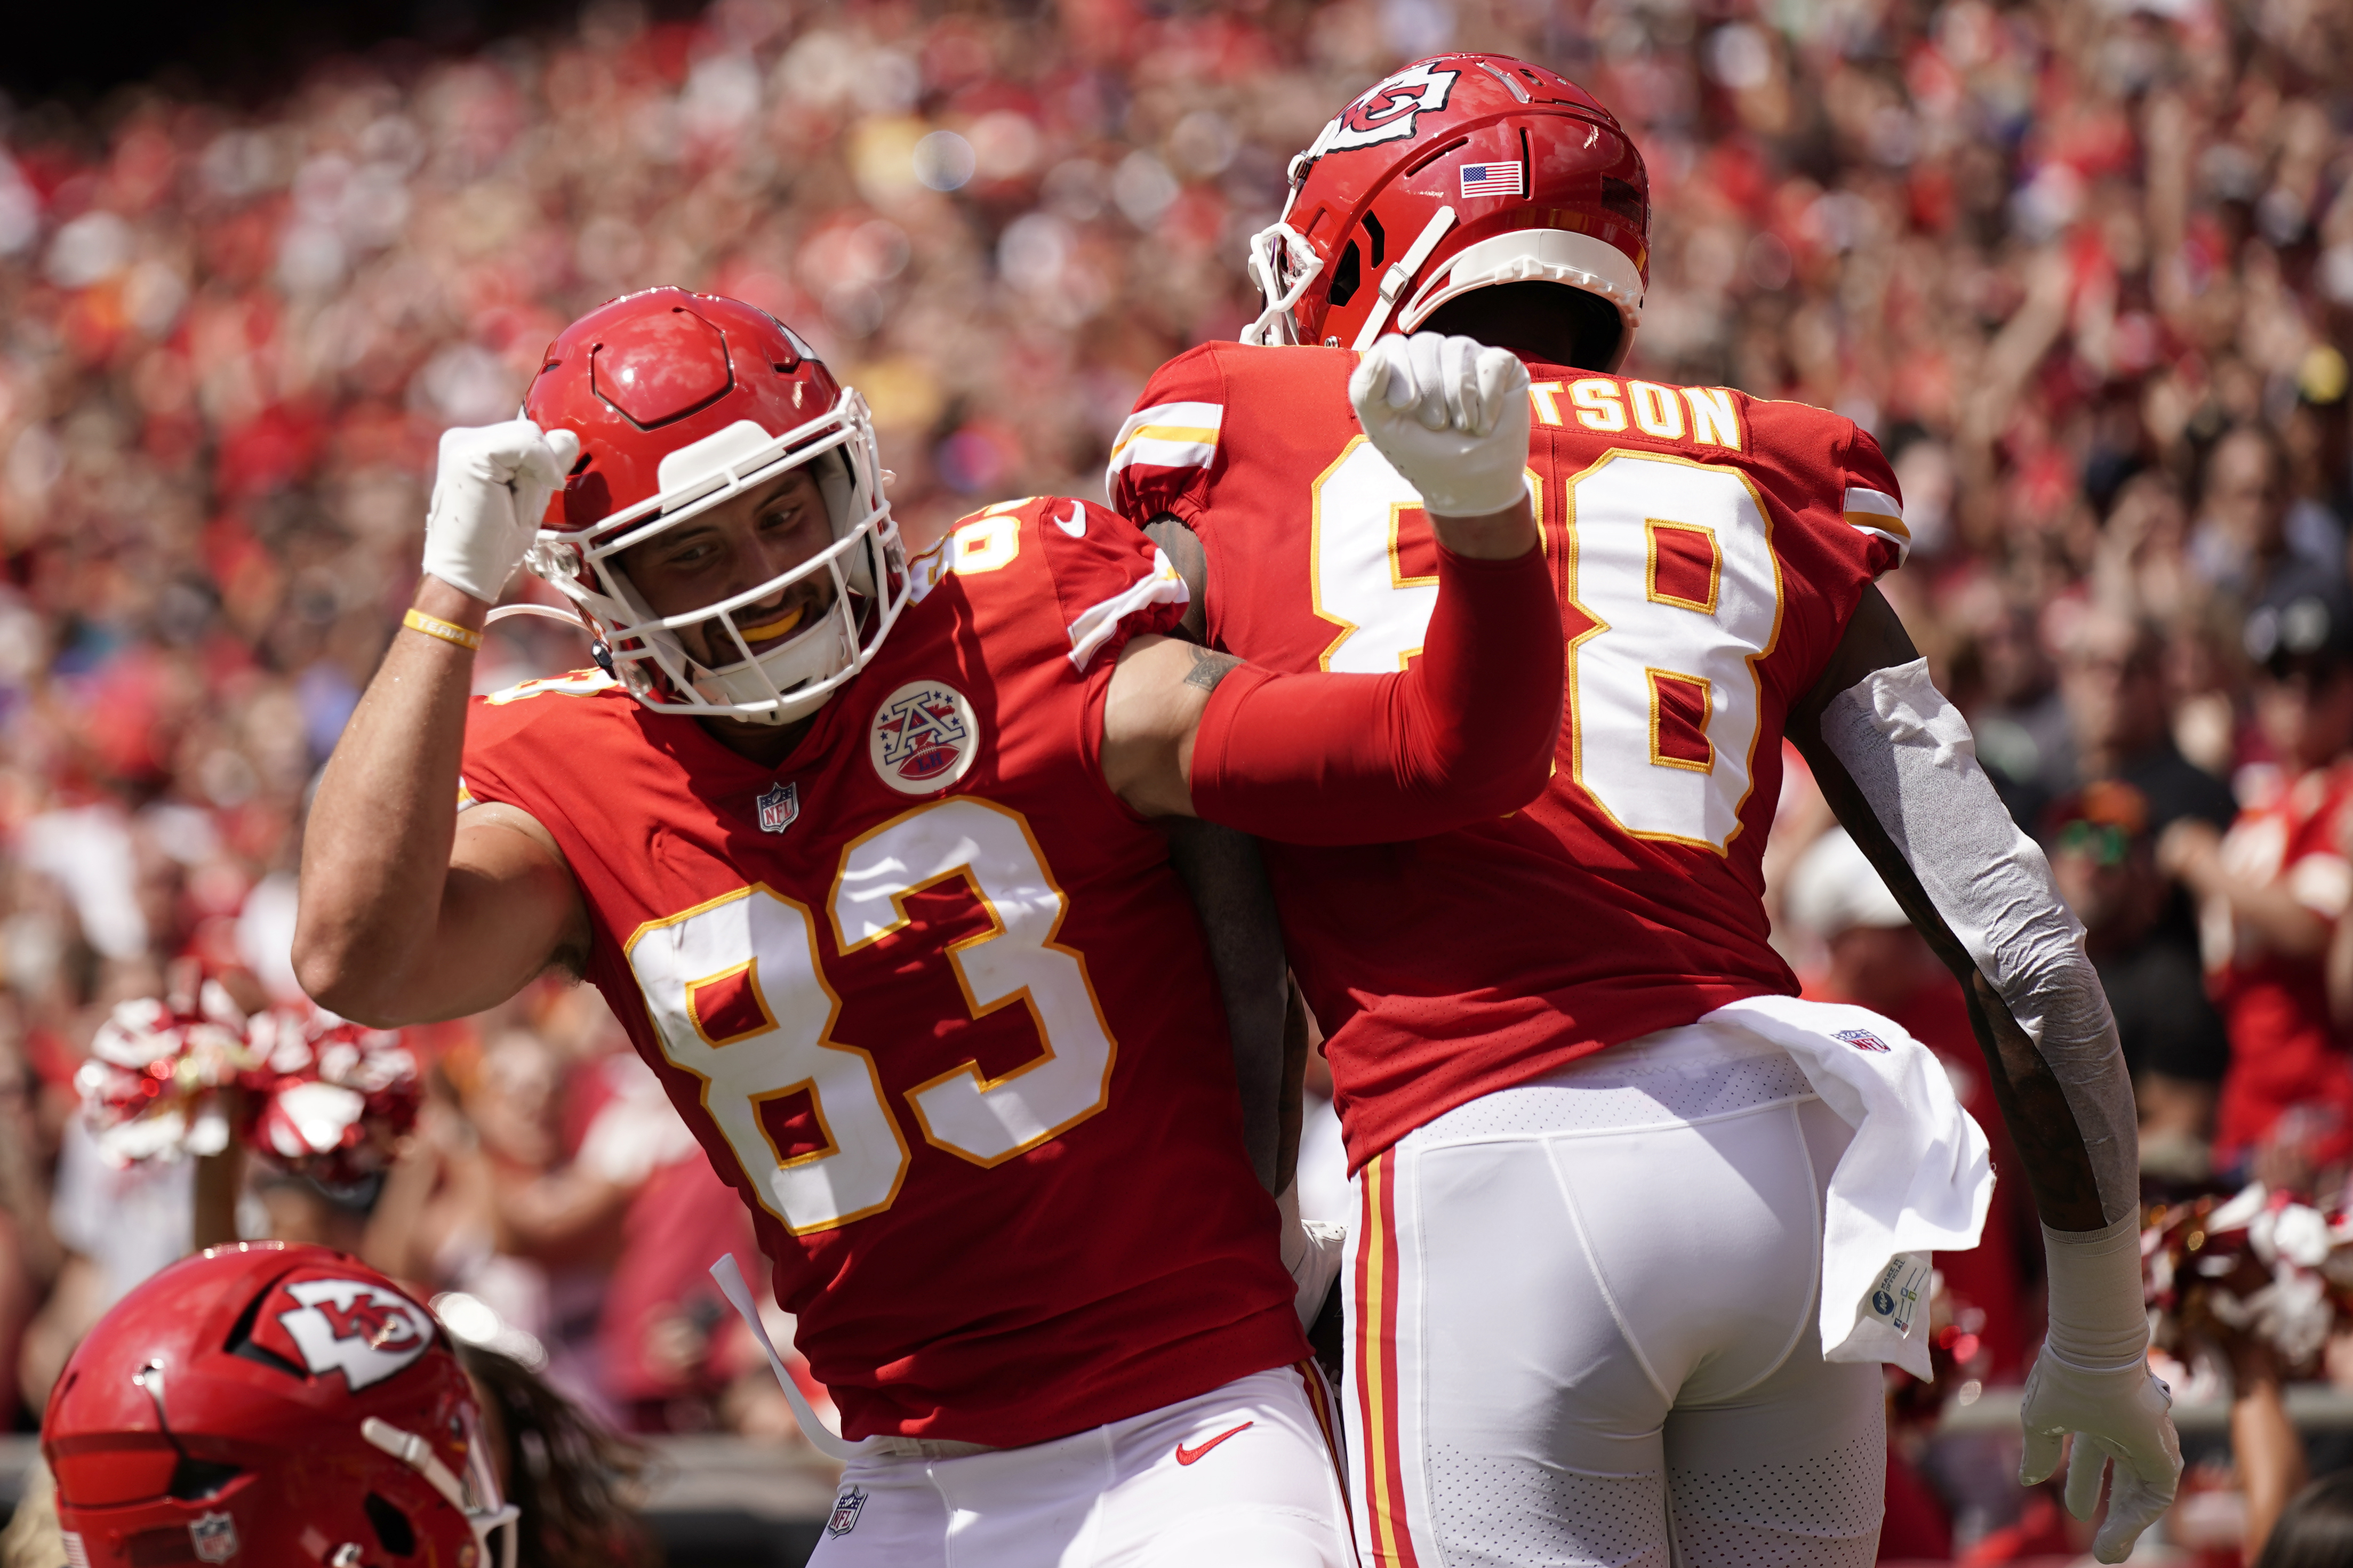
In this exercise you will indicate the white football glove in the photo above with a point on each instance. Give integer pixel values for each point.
(494, 484)
(2092, 1379)
(1449, 415)
(1312, 1251)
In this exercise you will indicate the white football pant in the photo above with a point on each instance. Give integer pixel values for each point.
(1581, 1326)
(1242, 1477)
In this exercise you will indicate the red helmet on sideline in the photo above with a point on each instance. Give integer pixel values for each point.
(269, 1405)
(683, 402)
(1457, 172)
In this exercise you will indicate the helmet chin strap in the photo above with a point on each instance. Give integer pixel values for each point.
(419, 1456)
(1394, 281)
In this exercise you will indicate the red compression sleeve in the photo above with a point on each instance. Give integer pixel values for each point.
(1464, 735)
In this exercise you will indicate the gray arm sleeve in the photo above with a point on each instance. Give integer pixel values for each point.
(1910, 753)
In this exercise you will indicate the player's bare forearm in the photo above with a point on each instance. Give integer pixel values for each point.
(2034, 1104)
(386, 934)
(1191, 559)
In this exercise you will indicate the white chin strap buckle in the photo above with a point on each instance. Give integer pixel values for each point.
(1394, 280)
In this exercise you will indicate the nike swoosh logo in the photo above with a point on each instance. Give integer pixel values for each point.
(1075, 525)
(1187, 1455)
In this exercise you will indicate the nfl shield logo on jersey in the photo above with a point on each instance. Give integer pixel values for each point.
(779, 805)
(923, 738)
(845, 1512)
(1863, 1041)
(214, 1538)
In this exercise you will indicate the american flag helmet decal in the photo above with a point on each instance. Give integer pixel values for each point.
(1494, 179)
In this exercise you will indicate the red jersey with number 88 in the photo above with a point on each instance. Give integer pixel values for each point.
(933, 999)
(1709, 548)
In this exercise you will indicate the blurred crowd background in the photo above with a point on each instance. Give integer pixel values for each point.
(2085, 269)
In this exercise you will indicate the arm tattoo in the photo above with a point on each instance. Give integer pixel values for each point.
(1208, 668)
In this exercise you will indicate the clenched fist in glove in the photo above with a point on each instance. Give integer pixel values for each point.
(2092, 1379)
(1449, 415)
(494, 484)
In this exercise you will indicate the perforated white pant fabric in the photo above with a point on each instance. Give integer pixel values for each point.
(1267, 1495)
(1582, 1327)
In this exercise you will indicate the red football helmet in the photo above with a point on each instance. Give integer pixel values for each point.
(269, 1405)
(1460, 171)
(683, 402)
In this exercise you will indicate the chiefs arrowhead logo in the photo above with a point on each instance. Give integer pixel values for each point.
(1387, 110)
(363, 1330)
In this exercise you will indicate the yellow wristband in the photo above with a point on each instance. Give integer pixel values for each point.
(433, 627)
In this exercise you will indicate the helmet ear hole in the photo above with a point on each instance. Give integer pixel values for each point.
(1346, 276)
(393, 1530)
(193, 1480)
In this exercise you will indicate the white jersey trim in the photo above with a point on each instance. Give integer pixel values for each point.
(1167, 435)
(1096, 624)
(1877, 512)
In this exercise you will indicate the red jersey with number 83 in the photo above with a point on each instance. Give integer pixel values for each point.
(933, 999)
(1708, 549)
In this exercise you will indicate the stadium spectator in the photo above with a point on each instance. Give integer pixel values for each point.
(2252, 527)
(2316, 1529)
(2276, 887)
(2139, 937)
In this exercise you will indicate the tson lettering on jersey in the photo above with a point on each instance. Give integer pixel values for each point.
(1696, 416)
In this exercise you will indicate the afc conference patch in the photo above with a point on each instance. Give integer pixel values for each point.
(846, 1509)
(923, 737)
(779, 805)
(1863, 1041)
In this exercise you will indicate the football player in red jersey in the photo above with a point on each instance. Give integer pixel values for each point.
(860, 849)
(1611, 1298)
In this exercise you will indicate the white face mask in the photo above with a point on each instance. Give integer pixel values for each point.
(866, 563)
(475, 1494)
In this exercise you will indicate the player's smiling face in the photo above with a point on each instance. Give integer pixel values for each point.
(733, 548)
